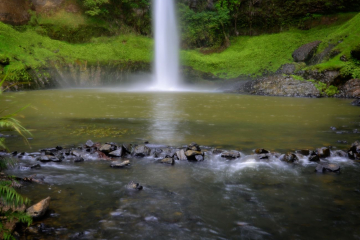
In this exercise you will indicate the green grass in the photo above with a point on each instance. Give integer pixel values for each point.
(255, 55)
(30, 50)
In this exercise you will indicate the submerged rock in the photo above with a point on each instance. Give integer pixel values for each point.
(120, 164)
(38, 210)
(332, 167)
(231, 155)
(133, 185)
(168, 161)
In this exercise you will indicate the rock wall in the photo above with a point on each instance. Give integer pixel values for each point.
(15, 12)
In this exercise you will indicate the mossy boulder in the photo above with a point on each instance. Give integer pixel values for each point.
(305, 52)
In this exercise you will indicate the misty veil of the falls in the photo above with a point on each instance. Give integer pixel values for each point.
(166, 64)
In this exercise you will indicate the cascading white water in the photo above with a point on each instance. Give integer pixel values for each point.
(166, 68)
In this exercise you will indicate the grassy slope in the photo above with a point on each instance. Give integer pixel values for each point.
(247, 55)
(253, 55)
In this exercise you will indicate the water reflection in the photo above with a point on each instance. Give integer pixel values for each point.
(165, 118)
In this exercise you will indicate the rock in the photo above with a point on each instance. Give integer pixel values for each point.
(323, 152)
(305, 52)
(116, 153)
(289, 157)
(339, 153)
(261, 151)
(106, 148)
(194, 147)
(355, 147)
(305, 152)
(77, 153)
(343, 58)
(288, 68)
(199, 158)
(168, 161)
(79, 159)
(351, 89)
(36, 166)
(314, 158)
(320, 168)
(181, 155)
(132, 185)
(331, 167)
(47, 158)
(38, 210)
(141, 151)
(217, 151)
(190, 155)
(120, 164)
(127, 148)
(263, 156)
(356, 102)
(89, 144)
(15, 12)
(231, 155)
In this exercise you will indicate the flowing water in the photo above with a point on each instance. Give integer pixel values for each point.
(213, 199)
(167, 76)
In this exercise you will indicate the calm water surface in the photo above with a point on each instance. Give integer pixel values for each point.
(214, 199)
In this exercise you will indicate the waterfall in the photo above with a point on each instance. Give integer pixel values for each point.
(166, 66)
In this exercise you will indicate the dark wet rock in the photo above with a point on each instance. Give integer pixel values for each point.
(168, 161)
(305, 152)
(305, 52)
(356, 102)
(351, 89)
(141, 151)
(323, 152)
(289, 157)
(320, 168)
(77, 153)
(193, 147)
(314, 158)
(89, 144)
(333, 128)
(332, 167)
(339, 153)
(167, 153)
(128, 148)
(133, 185)
(59, 148)
(261, 151)
(354, 151)
(35, 166)
(156, 152)
(120, 164)
(263, 156)
(79, 159)
(230, 155)
(181, 155)
(49, 151)
(217, 151)
(191, 155)
(38, 210)
(117, 153)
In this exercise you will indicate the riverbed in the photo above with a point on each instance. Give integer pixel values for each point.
(245, 198)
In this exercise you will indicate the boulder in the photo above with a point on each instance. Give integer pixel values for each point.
(288, 68)
(356, 102)
(314, 158)
(332, 167)
(194, 147)
(305, 52)
(351, 89)
(289, 157)
(168, 161)
(230, 155)
(120, 164)
(117, 153)
(181, 155)
(15, 12)
(106, 148)
(323, 152)
(38, 210)
(141, 151)
(191, 155)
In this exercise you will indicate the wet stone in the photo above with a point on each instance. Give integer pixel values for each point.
(230, 154)
(79, 159)
(35, 166)
(190, 155)
(193, 147)
(339, 153)
(261, 151)
(290, 158)
(120, 164)
(168, 161)
(323, 152)
(133, 185)
(141, 151)
(89, 144)
(314, 158)
(116, 153)
(106, 148)
(47, 158)
(332, 167)
(38, 210)
(181, 155)
(305, 152)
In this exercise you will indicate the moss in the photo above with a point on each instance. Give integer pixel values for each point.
(296, 77)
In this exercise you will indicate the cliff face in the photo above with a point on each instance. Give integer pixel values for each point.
(16, 12)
